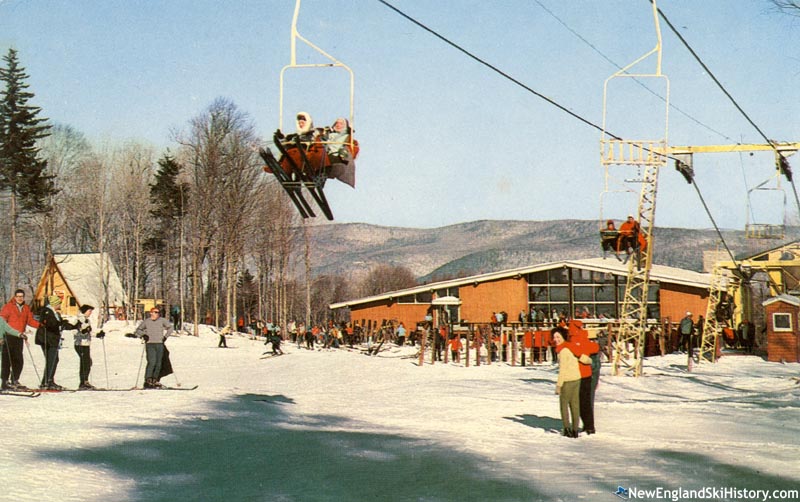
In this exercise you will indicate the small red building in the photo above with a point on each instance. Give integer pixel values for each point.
(781, 315)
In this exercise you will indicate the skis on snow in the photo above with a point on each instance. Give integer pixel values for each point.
(164, 387)
(20, 393)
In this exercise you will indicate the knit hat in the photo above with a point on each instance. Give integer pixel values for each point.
(86, 308)
(54, 301)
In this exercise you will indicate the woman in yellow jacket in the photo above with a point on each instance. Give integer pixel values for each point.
(568, 384)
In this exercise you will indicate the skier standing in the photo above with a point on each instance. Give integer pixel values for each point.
(83, 340)
(154, 331)
(685, 328)
(568, 383)
(50, 341)
(18, 315)
(6, 329)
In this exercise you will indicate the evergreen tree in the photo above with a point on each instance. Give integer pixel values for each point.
(168, 195)
(22, 173)
(169, 198)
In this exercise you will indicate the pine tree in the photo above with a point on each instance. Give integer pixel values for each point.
(22, 171)
(167, 194)
(169, 197)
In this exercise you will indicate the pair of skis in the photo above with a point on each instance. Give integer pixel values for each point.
(39, 392)
(300, 177)
(164, 387)
(20, 393)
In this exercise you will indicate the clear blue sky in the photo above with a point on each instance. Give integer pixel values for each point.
(444, 139)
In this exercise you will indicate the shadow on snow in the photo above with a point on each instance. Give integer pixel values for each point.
(253, 450)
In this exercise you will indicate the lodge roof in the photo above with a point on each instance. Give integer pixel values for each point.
(658, 273)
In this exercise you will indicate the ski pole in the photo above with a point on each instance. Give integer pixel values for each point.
(105, 360)
(33, 363)
(141, 358)
(177, 382)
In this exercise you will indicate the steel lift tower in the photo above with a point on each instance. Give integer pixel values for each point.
(647, 156)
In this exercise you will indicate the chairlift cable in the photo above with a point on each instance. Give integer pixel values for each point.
(713, 222)
(638, 81)
(549, 100)
(497, 70)
(725, 91)
(750, 214)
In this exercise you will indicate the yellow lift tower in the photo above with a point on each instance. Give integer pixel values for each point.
(646, 156)
(727, 278)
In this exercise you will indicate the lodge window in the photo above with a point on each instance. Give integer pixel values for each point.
(559, 294)
(558, 276)
(597, 292)
(424, 297)
(447, 292)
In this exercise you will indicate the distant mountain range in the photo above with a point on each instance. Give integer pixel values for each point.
(352, 249)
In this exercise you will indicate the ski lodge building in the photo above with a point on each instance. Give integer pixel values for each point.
(81, 279)
(593, 288)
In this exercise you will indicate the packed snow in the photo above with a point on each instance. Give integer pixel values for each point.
(340, 425)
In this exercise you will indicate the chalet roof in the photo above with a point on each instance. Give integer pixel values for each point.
(659, 273)
(84, 274)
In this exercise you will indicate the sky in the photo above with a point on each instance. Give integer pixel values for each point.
(443, 138)
(334, 425)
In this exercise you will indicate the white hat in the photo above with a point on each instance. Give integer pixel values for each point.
(688, 313)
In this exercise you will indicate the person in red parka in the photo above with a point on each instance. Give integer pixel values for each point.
(18, 315)
(583, 348)
(630, 238)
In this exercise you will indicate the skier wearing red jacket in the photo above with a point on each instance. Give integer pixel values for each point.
(583, 348)
(18, 315)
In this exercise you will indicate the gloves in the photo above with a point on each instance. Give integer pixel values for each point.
(101, 334)
(145, 338)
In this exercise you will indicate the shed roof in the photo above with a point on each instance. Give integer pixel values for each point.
(790, 299)
(659, 273)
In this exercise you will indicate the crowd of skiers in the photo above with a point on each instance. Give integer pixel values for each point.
(326, 335)
(16, 316)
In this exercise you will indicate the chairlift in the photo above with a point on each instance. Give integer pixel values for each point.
(764, 231)
(623, 239)
(307, 159)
